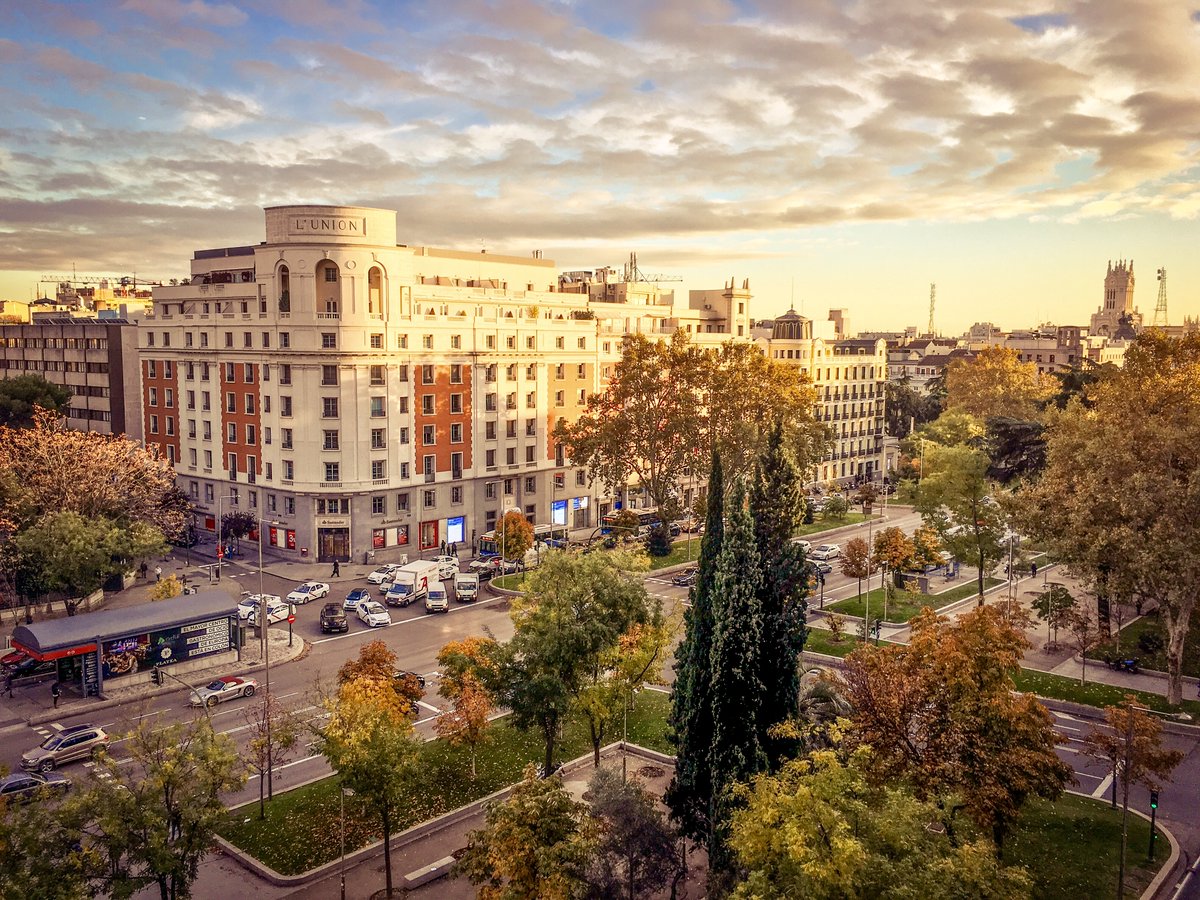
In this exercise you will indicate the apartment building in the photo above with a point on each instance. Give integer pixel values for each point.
(360, 395)
(96, 360)
(849, 376)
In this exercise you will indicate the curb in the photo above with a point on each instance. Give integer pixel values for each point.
(53, 714)
(424, 874)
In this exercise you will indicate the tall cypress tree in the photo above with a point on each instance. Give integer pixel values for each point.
(736, 753)
(691, 724)
(777, 506)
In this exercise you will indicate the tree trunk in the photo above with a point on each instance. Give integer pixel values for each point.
(597, 736)
(1124, 838)
(1177, 628)
(979, 576)
(162, 888)
(262, 808)
(548, 731)
(387, 848)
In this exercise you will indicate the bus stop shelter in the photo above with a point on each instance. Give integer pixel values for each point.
(126, 644)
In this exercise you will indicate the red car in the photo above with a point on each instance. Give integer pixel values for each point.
(15, 658)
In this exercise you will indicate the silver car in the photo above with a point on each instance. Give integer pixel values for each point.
(228, 688)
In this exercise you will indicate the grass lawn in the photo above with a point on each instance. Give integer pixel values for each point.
(904, 605)
(1072, 849)
(510, 582)
(1151, 624)
(820, 640)
(823, 524)
(296, 834)
(1095, 694)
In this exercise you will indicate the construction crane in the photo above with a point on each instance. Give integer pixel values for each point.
(1160, 310)
(932, 303)
(633, 273)
(116, 280)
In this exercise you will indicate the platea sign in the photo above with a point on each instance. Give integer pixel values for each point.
(327, 225)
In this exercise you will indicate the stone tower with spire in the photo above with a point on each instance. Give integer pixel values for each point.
(1118, 301)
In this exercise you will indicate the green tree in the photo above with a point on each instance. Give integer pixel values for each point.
(514, 535)
(275, 731)
(169, 587)
(691, 720)
(835, 509)
(535, 845)
(648, 422)
(822, 828)
(237, 525)
(996, 383)
(776, 500)
(944, 714)
(635, 854)
(1016, 447)
(369, 742)
(575, 609)
(866, 495)
(907, 407)
(1053, 606)
(1131, 746)
(21, 395)
(38, 859)
(955, 500)
(151, 821)
(736, 752)
(1116, 500)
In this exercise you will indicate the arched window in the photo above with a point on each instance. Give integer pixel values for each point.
(375, 290)
(285, 289)
(328, 290)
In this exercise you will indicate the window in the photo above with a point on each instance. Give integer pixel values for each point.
(456, 464)
(531, 371)
(560, 398)
(581, 478)
(511, 456)
(170, 421)
(329, 407)
(427, 404)
(331, 441)
(247, 339)
(230, 402)
(456, 374)
(231, 429)
(402, 503)
(233, 467)
(266, 435)
(285, 339)
(208, 462)
(531, 427)
(249, 404)
(510, 372)
(192, 428)
(489, 491)
(426, 374)
(191, 371)
(560, 371)
(191, 399)
(456, 494)
(531, 400)
(428, 435)
(491, 459)
(511, 342)
(331, 274)
(229, 369)
(289, 506)
(456, 433)
(403, 435)
(456, 404)
(377, 375)
(329, 375)
(402, 342)
(332, 472)
(288, 470)
(208, 493)
(377, 342)
(204, 337)
(379, 469)
(580, 371)
(328, 338)
(154, 396)
(402, 374)
(508, 487)
(207, 430)
(531, 484)
(377, 506)
(229, 339)
(429, 499)
(266, 339)
(510, 428)
(285, 373)
(560, 343)
(430, 465)
(285, 438)
(582, 396)
(378, 440)
(456, 341)
(490, 430)
(404, 473)
(149, 338)
(529, 451)
(377, 408)
(167, 369)
(490, 341)
(252, 496)
(583, 343)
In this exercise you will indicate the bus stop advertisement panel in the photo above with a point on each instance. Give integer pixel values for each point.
(165, 647)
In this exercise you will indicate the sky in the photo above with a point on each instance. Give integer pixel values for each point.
(835, 153)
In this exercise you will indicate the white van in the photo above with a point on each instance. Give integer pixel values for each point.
(436, 598)
(466, 587)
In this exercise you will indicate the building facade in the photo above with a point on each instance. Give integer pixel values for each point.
(1119, 283)
(849, 376)
(362, 396)
(96, 360)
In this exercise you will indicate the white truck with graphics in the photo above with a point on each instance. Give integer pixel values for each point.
(411, 582)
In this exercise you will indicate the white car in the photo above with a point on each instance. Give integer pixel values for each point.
(250, 602)
(277, 611)
(310, 590)
(447, 566)
(804, 545)
(374, 615)
(826, 552)
(383, 574)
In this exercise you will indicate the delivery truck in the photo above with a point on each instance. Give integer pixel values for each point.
(411, 582)
(466, 587)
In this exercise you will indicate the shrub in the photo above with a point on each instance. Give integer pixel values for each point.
(659, 543)
(1151, 642)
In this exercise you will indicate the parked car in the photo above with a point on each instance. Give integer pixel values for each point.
(250, 602)
(333, 619)
(277, 611)
(804, 545)
(401, 674)
(381, 575)
(25, 787)
(228, 688)
(686, 578)
(373, 614)
(818, 566)
(826, 552)
(31, 666)
(493, 566)
(355, 597)
(13, 658)
(65, 745)
(447, 566)
(310, 590)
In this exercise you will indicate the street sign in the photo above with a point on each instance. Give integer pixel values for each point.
(220, 552)
(291, 618)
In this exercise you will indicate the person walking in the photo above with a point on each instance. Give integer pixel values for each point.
(56, 692)
(143, 569)
(158, 573)
(337, 569)
(1033, 570)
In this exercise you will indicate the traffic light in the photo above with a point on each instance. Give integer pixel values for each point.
(157, 675)
(1154, 799)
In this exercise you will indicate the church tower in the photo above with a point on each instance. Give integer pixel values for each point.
(1118, 300)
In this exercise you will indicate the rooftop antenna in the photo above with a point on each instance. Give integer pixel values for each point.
(932, 303)
(1160, 310)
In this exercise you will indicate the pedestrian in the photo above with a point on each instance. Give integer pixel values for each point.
(1033, 570)
(143, 569)
(337, 569)
(158, 573)
(8, 679)
(56, 692)
(454, 550)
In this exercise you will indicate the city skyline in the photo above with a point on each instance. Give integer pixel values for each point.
(835, 157)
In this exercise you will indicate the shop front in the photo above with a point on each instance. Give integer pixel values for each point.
(126, 644)
(333, 538)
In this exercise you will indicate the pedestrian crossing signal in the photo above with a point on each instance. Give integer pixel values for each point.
(157, 675)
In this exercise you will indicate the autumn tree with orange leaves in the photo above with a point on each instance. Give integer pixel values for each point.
(943, 713)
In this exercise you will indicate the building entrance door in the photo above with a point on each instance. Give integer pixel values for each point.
(333, 543)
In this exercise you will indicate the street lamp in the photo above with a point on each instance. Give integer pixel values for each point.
(220, 546)
(264, 626)
(345, 792)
